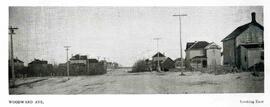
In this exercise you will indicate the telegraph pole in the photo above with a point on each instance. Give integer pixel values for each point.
(67, 49)
(181, 54)
(158, 64)
(11, 32)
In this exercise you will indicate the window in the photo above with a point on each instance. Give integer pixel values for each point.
(262, 55)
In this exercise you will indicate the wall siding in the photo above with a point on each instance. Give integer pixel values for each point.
(193, 53)
(254, 56)
(213, 56)
(229, 52)
(253, 32)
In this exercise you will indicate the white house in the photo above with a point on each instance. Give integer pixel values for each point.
(203, 54)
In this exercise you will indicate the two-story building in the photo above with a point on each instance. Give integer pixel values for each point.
(202, 54)
(244, 47)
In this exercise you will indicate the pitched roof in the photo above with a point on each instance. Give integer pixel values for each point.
(198, 45)
(17, 60)
(158, 54)
(212, 45)
(168, 59)
(189, 44)
(241, 29)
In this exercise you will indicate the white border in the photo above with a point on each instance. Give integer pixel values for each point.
(176, 100)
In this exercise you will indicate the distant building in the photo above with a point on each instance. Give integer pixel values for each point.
(196, 54)
(78, 59)
(18, 64)
(18, 67)
(81, 65)
(202, 54)
(244, 47)
(166, 63)
(158, 57)
(39, 68)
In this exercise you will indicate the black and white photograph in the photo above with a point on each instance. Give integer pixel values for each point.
(85, 50)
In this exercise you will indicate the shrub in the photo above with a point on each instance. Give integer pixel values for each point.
(140, 66)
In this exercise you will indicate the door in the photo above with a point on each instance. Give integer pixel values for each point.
(204, 63)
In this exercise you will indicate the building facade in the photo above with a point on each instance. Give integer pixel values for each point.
(201, 54)
(213, 53)
(39, 68)
(244, 47)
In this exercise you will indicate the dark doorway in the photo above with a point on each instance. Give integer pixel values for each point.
(204, 63)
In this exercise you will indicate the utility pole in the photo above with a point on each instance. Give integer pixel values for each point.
(11, 32)
(67, 49)
(181, 54)
(158, 64)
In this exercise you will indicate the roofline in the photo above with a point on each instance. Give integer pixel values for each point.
(257, 24)
(192, 45)
(219, 47)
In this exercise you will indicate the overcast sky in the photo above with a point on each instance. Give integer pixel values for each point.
(120, 34)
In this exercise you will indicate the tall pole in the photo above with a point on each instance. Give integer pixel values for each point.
(11, 32)
(67, 49)
(181, 54)
(158, 63)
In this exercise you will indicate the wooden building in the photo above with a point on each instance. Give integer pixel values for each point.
(201, 54)
(244, 47)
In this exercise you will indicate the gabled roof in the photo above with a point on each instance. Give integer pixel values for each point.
(189, 44)
(17, 60)
(241, 29)
(212, 45)
(158, 54)
(198, 45)
(168, 59)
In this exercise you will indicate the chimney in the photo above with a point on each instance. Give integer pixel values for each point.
(253, 16)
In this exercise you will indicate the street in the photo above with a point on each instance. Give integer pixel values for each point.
(119, 81)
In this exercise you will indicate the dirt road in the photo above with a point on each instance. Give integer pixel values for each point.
(120, 82)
